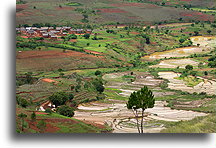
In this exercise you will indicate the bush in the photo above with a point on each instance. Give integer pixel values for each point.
(163, 85)
(59, 98)
(33, 116)
(22, 102)
(98, 72)
(98, 84)
(71, 96)
(189, 67)
(86, 36)
(66, 111)
(48, 110)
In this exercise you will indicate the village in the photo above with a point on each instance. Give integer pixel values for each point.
(50, 32)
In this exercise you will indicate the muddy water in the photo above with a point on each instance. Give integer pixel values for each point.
(121, 119)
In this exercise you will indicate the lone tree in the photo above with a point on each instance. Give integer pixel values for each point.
(33, 116)
(209, 31)
(141, 99)
(41, 125)
(97, 73)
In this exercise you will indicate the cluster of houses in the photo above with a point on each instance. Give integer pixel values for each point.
(50, 32)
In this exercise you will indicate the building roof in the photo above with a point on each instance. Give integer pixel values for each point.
(45, 34)
(30, 31)
(58, 28)
(44, 28)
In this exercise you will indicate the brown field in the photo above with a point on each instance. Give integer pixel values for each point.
(55, 59)
(51, 54)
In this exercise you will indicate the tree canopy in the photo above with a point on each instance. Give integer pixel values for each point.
(59, 98)
(141, 99)
(66, 111)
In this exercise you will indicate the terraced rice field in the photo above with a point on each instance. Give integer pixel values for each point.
(207, 86)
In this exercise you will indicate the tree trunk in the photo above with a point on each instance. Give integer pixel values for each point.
(136, 116)
(142, 120)
(137, 121)
(22, 125)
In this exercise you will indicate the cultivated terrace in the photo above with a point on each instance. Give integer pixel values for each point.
(77, 69)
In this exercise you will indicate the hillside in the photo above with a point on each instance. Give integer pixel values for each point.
(103, 11)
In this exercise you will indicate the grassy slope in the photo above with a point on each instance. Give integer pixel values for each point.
(55, 123)
(205, 124)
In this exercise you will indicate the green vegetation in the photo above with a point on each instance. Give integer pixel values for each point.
(141, 99)
(190, 80)
(66, 111)
(73, 4)
(205, 124)
(73, 69)
(59, 98)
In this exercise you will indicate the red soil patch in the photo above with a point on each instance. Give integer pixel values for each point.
(25, 37)
(111, 10)
(49, 127)
(57, 120)
(40, 113)
(73, 40)
(198, 15)
(21, 6)
(49, 80)
(26, 13)
(24, 92)
(133, 17)
(205, 69)
(134, 33)
(94, 52)
(101, 126)
(51, 54)
(65, 8)
(187, 15)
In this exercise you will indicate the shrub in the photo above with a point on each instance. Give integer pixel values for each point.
(71, 96)
(33, 116)
(189, 67)
(22, 102)
(98, 72)
(48, 110)
(59, 98)
(66, 111)
(86, 36)
(98, 84)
